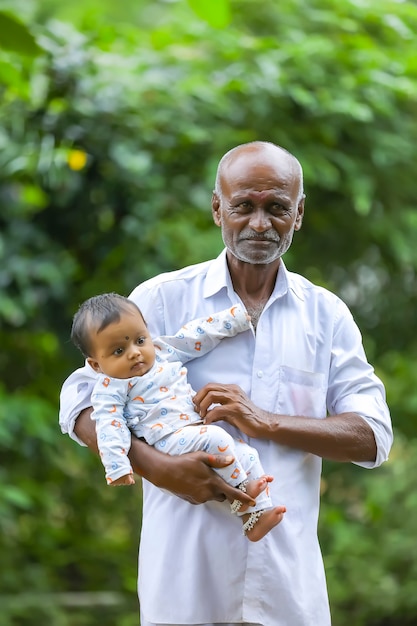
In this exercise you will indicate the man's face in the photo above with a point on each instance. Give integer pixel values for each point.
(123, 349)
(258, 207)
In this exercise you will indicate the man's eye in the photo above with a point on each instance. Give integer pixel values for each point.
(243, 207)
(278, 209)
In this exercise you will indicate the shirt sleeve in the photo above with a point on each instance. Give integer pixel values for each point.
(354, 386)
(200, 336)
(75, 397)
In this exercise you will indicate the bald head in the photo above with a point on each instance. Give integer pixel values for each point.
(258, 152)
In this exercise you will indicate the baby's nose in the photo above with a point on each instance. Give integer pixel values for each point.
(134, 351)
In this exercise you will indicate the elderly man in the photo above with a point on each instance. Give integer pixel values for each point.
(298, 388)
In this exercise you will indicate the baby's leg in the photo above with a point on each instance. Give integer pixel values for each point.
(208, 438)
(257, 481)
(261, 518)
(246, 471)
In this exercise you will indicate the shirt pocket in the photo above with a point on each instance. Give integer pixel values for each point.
(301, 393)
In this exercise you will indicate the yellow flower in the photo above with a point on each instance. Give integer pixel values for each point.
(77, 159)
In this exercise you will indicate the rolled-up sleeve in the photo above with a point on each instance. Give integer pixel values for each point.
(375, 413)
(75, 397)
(354, 387)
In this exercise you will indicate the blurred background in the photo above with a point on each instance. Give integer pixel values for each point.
(113, 116)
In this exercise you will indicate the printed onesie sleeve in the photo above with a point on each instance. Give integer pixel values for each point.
(200, 336)
(109, 399)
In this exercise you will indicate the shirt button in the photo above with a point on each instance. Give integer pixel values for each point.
(259, 373)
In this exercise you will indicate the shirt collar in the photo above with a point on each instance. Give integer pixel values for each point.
(218, 277)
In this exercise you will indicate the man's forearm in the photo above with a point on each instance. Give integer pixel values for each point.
(85, 429)
(346, 437)
(147, 461)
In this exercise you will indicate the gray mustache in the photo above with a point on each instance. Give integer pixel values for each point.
(255, 237)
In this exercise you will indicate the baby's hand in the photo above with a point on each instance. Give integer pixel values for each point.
(123, 480)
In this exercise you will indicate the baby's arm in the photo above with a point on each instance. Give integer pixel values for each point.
(199, 336)
(113, 436)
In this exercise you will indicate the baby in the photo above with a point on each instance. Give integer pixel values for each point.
(142, 389)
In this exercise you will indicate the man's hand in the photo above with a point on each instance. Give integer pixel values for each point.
(233, 406)
(189, 476)
(198, 483)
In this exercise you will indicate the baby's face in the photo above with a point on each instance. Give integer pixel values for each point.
(123, 349)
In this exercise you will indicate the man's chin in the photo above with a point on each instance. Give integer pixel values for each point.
(257, 259)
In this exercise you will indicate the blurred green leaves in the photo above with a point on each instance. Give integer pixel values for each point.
(15, 36)
(110, 132)
(367, 528)
(217, 13)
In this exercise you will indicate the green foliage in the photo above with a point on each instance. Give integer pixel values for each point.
(110, 132)
(53, 500)
(121, 143)
(367, 528)
(16, 37)
(216, 13)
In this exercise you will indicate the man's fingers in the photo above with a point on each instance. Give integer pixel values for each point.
(214, 415)
(231, 493)
(219, 460)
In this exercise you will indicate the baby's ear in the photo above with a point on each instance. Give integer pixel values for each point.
(94, 364)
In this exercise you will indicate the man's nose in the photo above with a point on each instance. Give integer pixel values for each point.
(260, 221)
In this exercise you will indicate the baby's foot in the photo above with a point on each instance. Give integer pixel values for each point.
(267, 521)
(255, 487)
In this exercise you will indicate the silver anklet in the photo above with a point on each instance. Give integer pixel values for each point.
(250, 523)
(236, 504)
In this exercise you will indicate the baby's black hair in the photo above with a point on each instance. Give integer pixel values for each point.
(97, 312)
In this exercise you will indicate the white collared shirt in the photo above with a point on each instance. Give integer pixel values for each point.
(195, 566)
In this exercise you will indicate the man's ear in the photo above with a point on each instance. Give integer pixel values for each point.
(94, 364)
(215, 208)
(300, 214)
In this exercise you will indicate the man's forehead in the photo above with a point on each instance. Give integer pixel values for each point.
(264, 177)
(264, 165)
(260, 195)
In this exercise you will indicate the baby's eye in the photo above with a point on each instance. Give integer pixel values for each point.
(118, 351)
(140, 341)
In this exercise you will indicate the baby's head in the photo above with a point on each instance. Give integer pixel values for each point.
(111, 333)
